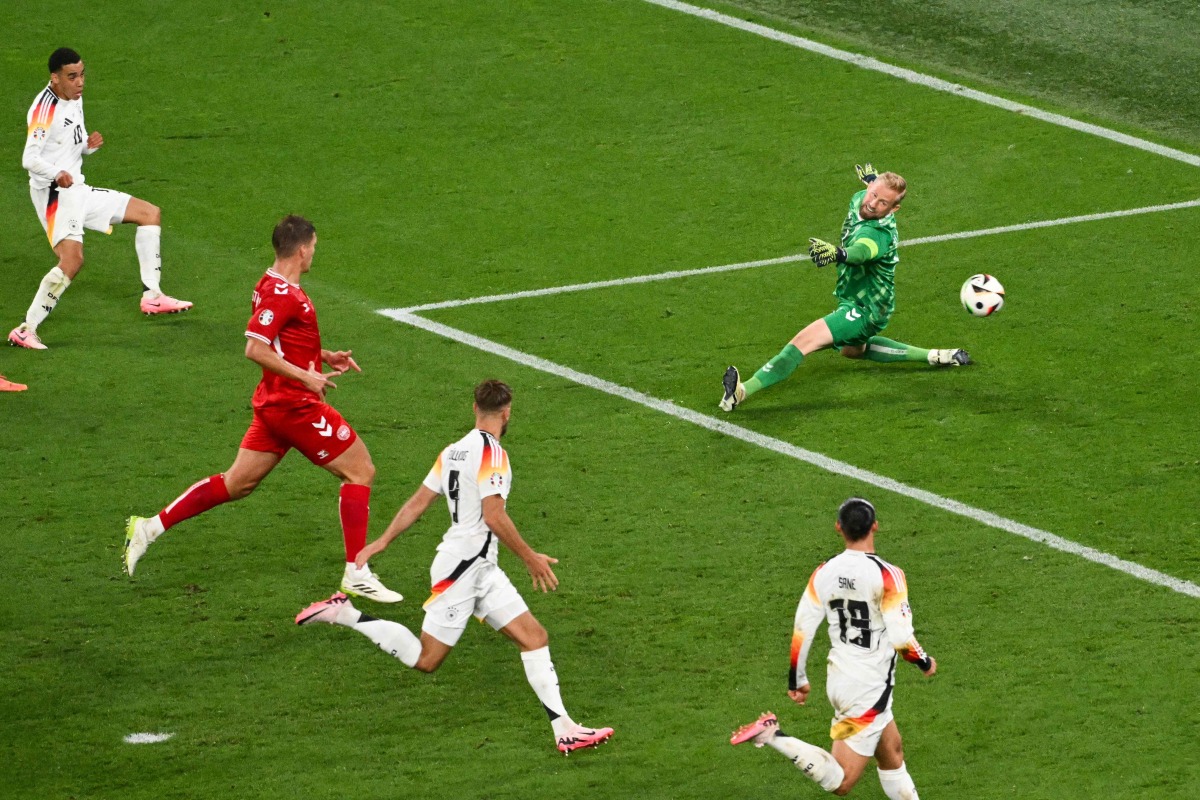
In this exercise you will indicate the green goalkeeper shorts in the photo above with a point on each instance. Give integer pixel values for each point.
(850, 325)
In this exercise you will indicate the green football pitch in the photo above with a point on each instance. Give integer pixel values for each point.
(516, 154)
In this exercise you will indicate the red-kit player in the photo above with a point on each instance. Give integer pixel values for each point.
(289, 411)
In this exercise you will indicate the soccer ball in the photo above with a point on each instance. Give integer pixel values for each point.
(982, 295)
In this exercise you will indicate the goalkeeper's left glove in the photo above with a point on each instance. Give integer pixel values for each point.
(866, 173)
(823, 253)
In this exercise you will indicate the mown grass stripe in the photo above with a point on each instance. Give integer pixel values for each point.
(928, 81)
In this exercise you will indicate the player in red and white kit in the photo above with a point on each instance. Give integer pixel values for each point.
(474, 476)
(289, 412)
(55, 144)
(865, 601)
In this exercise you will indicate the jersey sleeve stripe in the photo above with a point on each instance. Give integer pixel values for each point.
(43, 111)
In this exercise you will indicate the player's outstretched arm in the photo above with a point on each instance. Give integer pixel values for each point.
(405, 518)
(501, 524)
(866, 173)
(823, 253)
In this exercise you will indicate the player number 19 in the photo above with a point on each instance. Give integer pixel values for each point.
(853, 614)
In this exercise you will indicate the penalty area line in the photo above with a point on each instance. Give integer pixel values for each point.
(768, 262)
(799, 453)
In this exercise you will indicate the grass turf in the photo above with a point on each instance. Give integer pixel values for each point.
(450, 150)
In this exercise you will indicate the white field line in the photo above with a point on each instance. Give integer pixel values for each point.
(766, 262)
(928, 81)
(799, 453)
(147, 738)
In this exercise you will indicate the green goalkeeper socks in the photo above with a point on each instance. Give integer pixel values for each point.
(775, 370)
(888, 351)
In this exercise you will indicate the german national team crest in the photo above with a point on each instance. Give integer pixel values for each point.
(266, 316)
(343, 432)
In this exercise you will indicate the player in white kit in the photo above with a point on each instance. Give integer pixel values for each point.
(865, 601)
(55, 144)
(474, 476)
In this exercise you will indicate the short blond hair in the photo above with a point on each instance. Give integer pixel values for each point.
(894, 182)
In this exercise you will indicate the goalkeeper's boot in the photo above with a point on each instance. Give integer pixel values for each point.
(24, 336)
(137, 539)
(760, 731)
(8, 386)
(163, 304)
(364, 583)
(734, 391)
(325, 610)
(949, 358)
(580, 737)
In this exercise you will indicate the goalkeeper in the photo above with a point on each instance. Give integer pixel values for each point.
(866, 265)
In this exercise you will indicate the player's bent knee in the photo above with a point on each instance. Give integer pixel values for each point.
(151, 215)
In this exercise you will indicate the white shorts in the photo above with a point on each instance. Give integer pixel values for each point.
(860, 711)
(480, 589)
(64, 213)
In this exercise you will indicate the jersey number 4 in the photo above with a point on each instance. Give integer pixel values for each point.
(856, 615)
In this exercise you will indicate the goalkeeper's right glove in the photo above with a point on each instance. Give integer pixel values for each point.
(823, 253)
(866, 173)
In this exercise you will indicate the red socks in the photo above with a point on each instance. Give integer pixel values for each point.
(202, 496)
(354, 509)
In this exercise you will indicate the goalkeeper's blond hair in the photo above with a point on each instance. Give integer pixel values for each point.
(894, 182)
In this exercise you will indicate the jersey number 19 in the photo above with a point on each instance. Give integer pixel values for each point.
(853, 614)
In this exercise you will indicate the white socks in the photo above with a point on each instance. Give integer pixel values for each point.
(392, 637)
(539, 671)
(816, 763)
(153, 527)
(52, 286)
(897, 784)
(145, 242)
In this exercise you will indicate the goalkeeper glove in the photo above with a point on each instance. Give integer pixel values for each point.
(823, 253)
(866, 173)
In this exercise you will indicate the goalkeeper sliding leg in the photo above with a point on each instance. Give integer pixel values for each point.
(848, 328)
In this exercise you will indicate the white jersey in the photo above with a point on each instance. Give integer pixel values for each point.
(56, 139)
(467, 471)
(865, 601)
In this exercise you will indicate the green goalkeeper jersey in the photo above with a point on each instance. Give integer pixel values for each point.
(871, 284)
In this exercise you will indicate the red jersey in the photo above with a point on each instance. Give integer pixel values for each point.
(284, 318)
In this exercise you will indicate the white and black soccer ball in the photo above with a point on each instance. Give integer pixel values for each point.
(982, 295)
